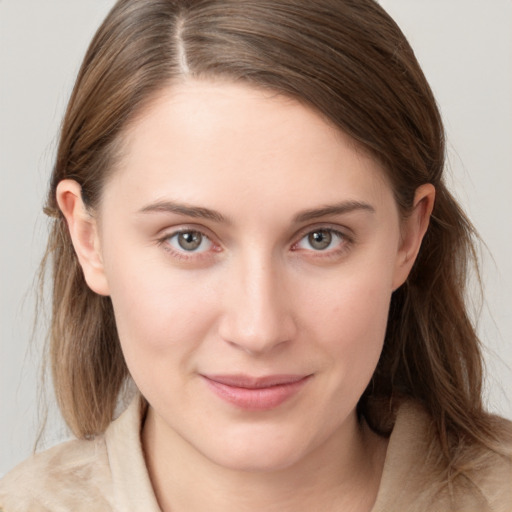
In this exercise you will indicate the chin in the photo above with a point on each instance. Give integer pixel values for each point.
(258, 452)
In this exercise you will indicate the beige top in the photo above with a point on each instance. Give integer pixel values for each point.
(109, 474)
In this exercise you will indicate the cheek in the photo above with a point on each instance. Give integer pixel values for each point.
(356, 314)
(161, 322)
(158, 310)
(348, 317)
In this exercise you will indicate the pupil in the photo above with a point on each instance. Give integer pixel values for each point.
(190, 240)
(320, 239)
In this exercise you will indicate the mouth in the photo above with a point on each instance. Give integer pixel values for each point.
(256, 393)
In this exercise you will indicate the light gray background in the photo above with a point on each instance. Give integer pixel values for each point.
(465, 48)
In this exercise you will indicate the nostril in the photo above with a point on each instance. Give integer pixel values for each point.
(257, 347)
(256, 307)
(257, 334)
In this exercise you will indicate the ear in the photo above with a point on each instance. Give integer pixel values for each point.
(83, 230)
(414, 227)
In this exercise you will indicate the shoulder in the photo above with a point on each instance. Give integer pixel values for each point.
(70, 476)
(103, 474)
(491, 471)
(417, 476)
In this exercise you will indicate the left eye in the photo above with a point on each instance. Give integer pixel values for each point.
(190, 241)
(321, 240)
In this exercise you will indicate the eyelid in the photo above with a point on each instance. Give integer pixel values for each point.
(174, 242)
(168, 233)
(346, 235)
(343, 231)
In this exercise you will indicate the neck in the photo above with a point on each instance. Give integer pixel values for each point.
(342, 474)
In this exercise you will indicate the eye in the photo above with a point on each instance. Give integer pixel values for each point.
(190, 241)
(321, 240)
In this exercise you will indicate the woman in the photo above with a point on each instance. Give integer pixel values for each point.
(250, 221)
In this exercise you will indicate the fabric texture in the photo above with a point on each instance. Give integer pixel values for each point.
(109, 474)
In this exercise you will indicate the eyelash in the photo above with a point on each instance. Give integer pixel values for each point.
(183, 254)
(345, 242)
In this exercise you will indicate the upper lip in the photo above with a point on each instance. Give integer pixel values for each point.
(249, 382)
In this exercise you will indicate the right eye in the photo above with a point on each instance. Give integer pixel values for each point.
(189, 241)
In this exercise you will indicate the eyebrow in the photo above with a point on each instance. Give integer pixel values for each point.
(334, 209)
(185, 210)
(304, 216)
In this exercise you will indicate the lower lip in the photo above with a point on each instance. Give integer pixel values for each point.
(256, 399)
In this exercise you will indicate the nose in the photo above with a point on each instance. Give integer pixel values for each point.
(257, 310)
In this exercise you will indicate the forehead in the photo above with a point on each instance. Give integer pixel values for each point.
(197, 139)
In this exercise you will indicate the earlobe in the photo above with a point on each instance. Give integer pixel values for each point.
(83, 230)
(414, 228)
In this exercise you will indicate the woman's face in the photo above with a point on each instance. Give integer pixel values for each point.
(250, 252)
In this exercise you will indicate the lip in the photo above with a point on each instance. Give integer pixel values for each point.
(256, 393)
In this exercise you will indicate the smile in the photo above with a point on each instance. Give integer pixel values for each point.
(256, 393)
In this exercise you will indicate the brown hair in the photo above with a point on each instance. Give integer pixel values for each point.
(348, 60)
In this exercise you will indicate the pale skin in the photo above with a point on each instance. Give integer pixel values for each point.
(292, 247)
